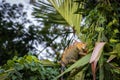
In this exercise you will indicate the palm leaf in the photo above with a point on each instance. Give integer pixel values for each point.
(66, 9)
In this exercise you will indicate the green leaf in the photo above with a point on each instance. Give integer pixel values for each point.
(3, 76)
(19, 66)
(34, 68)
(99, 29)
(67, 8)
(26, 65)
(111, 58)
(80, 75)
(14, 77)
(10, 63)
(117, 49)
(114, 40)
(47, 63)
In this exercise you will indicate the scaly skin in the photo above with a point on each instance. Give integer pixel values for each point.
(72, 53)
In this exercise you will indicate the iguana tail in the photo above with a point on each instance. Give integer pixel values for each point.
(62, 69)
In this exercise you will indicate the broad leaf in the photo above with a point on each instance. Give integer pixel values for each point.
(97, 52)
(95, 57)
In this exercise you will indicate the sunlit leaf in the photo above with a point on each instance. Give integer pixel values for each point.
(117, 49)
(111, 58)
(66, 8)
(114, 40)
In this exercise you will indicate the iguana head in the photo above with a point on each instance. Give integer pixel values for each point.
(81, 47)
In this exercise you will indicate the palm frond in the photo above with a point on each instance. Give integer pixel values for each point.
(66, 9)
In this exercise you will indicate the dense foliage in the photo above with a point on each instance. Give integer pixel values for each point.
(95, 22)
(28, 68)
(98, 21)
